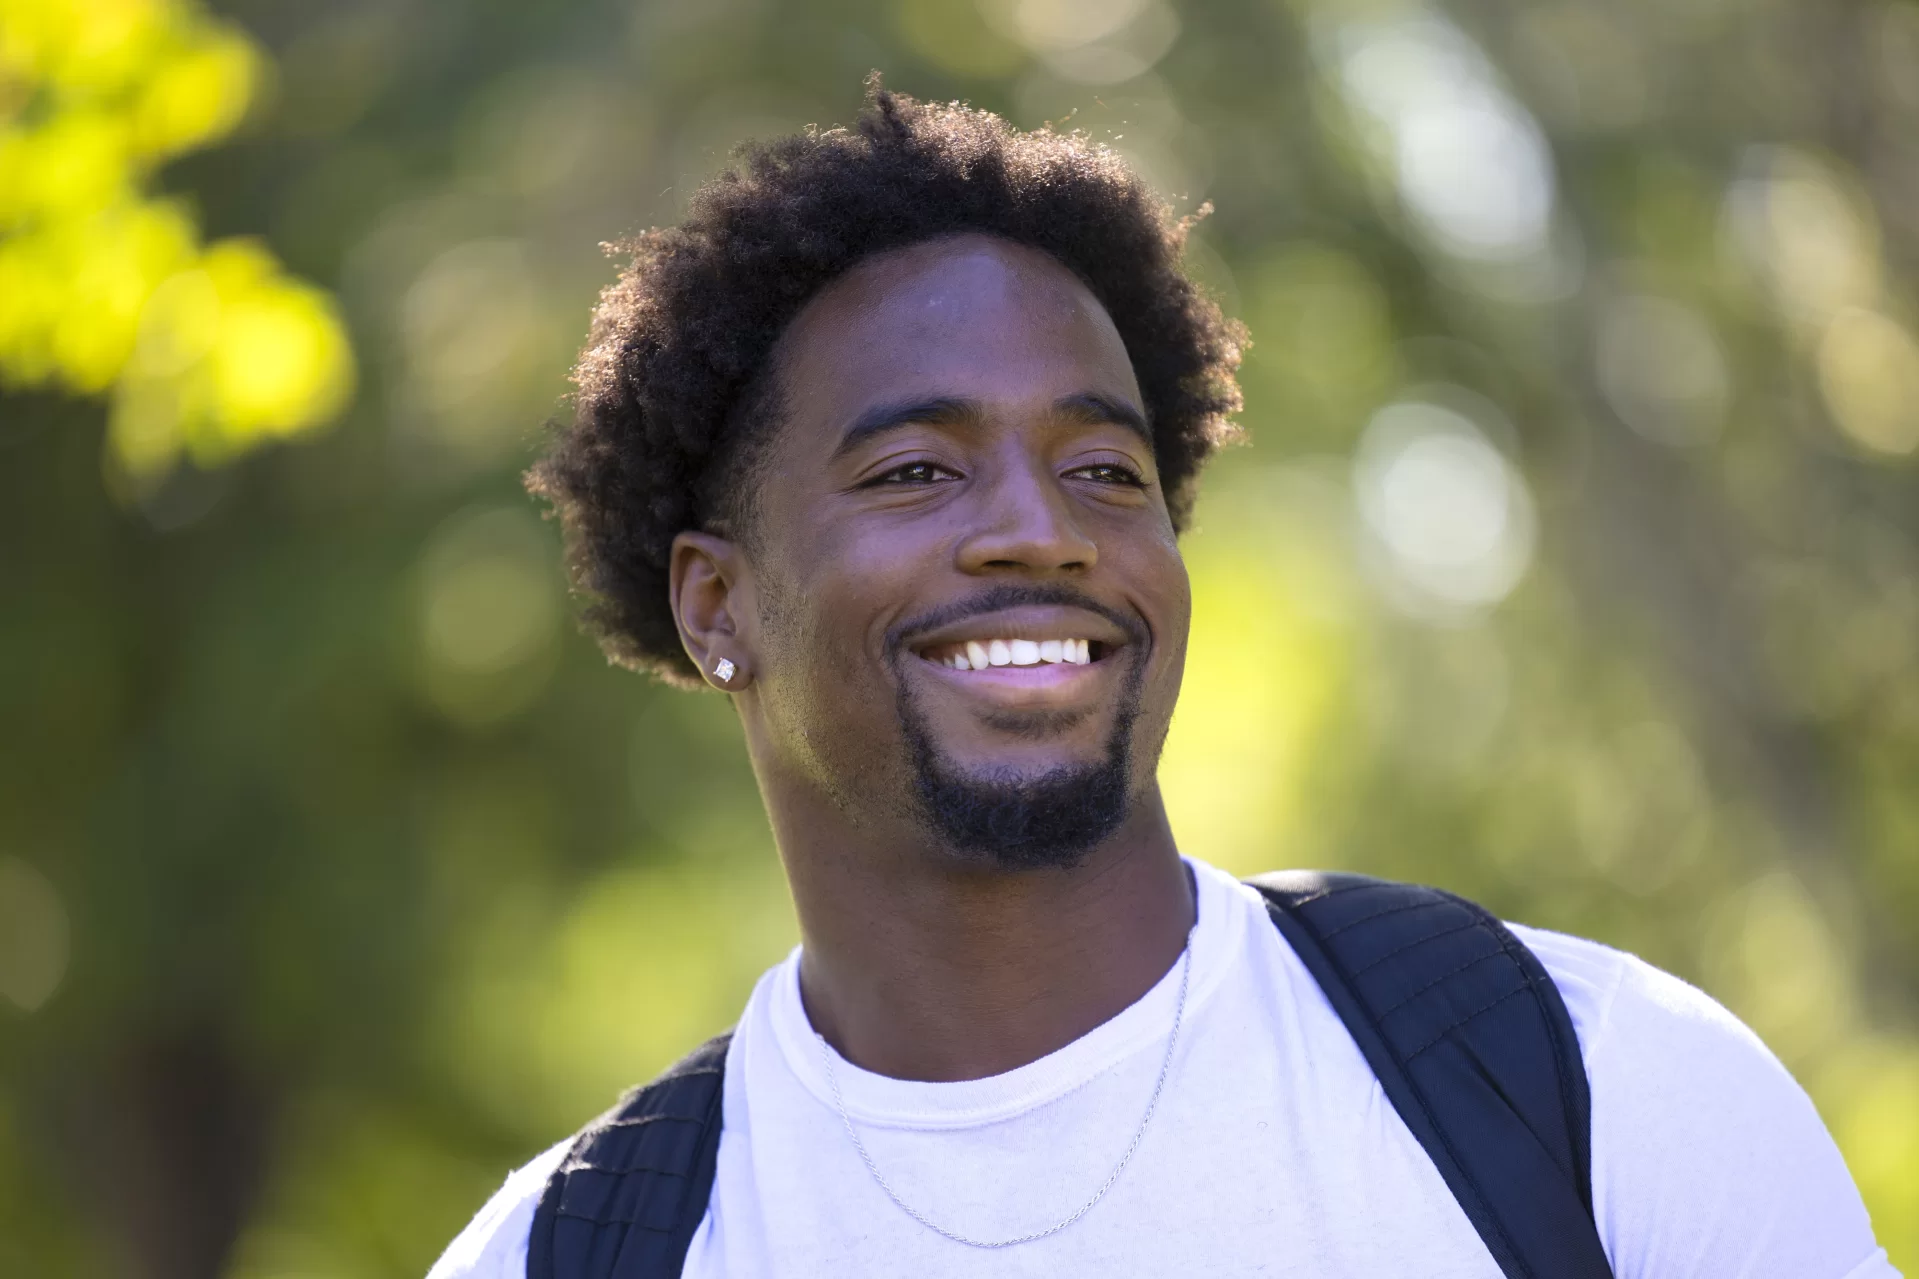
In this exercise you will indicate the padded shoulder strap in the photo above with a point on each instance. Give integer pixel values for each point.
(630, 1193)
(1473, 1046)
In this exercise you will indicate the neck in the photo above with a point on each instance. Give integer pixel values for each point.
(918, 966)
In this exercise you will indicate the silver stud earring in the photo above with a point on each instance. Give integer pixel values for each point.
(723, 670)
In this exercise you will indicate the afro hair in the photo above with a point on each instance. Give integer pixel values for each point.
(663, 435)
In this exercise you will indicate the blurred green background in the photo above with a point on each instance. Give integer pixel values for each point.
(1574, 564)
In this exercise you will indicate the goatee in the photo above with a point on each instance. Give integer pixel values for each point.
(1051, 820)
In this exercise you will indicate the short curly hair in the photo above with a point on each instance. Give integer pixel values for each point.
(675, 384)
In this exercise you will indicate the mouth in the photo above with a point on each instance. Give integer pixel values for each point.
(1037, 657)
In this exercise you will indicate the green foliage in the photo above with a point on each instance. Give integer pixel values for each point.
(1574, 563)
(207, 349)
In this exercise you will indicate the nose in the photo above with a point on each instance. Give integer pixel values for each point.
(1026, 524)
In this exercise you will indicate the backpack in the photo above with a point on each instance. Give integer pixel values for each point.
(1460, 1022)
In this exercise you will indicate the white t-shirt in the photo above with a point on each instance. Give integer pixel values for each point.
(1273, 1150)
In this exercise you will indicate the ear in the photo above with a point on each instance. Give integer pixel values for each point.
(711, 593)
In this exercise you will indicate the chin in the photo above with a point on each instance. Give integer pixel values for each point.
(1040, 787)
(1046, 814)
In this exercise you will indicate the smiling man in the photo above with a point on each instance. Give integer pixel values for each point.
(891, 441)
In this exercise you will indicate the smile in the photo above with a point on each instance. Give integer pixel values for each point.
(978, 655)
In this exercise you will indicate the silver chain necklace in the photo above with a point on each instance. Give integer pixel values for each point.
(1152, 1103)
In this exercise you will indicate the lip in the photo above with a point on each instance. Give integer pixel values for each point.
(1032, 621)
(1045, 685)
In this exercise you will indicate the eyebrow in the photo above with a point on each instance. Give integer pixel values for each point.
(1085, 408)
(1091, 409)
(939, 411)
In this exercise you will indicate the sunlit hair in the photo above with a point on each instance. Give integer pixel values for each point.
(675, 396)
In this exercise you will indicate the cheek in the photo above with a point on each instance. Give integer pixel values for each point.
(803, 637)
(819, 637)
(826, 713)
(1168, 593)
(864, 581)
(1171, 614)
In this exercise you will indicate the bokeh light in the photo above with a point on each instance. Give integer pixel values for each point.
(1869, 372)
(1452, 517)
(34, 936)
(488, 614)
(1661, 369)
(1094, 42)
(1470, 162)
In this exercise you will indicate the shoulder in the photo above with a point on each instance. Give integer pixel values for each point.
(1633, 1018)
(1708, 1157)
(1590, 975)
(1663, 1057)
(493, 1245)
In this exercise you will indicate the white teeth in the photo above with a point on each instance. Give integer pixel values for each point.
(978, 655)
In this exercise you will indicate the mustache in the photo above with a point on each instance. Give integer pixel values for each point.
(1007, 595)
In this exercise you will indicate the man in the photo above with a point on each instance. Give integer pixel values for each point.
(891, 442)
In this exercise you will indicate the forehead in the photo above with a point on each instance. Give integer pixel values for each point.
(969, 316)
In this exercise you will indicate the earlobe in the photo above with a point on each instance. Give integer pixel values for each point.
(707, 581)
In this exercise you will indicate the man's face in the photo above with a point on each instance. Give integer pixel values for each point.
(972, 609)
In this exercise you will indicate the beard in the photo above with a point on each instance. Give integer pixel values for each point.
(1017, 822)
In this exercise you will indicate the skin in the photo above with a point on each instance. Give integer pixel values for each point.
(1018, 469)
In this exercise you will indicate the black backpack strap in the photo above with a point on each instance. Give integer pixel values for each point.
(1473, 1046)
(627, 1198)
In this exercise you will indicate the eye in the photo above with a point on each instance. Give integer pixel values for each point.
(1111, 473)
(914, 473)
